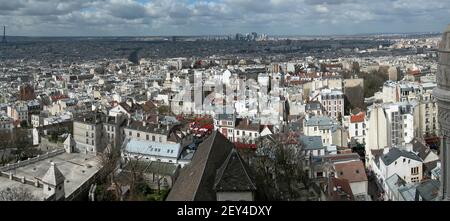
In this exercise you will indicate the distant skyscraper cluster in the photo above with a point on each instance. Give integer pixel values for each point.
(250, 37)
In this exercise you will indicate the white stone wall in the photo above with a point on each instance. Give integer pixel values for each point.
(357, 131)
(143, 135)
(88, 137)
(359, 188)
(250, 136)
(376, 131)
(402, 168)
(314, 131)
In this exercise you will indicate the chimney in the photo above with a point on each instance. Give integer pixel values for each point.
(144, 123)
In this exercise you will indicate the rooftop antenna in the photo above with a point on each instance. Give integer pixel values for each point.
(4, 35)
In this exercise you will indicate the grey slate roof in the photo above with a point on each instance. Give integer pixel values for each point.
(408, 192)
(420, 148)
(323, 122)
(395, 182)
(313, 106)
(428, 189)
(234, 175)
(436, 171)
(395, 153)
(311, 142)
(228, 117)
(196, 180)
(53, 176)
(151, 148)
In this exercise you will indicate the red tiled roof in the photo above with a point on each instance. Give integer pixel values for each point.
(58, 97)
(340, 190)
(358, 118)
(341, 157)
(353, 171)
(414, 72)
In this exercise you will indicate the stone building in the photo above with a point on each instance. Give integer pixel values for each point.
(53, 176)
(442, 94)
(87, 133)
(216, 173)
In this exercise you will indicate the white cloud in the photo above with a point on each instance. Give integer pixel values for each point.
(321, 8)
(120, 17)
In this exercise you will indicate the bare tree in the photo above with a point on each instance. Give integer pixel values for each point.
(279, 165)
(16, 140)
(16, 194)
(5, 145)
(109, 160)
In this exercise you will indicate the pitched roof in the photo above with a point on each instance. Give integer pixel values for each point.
(234, 175)
(408, 192)
(323, 122)
(428, 189)
(149, 107)
(420, 148)
(358, 118)
(53, 176)
(353, 171)
(395, 182)
(341, 157)
(245, 124)
(395, 153)
(314, 105)
(311, 142)
(151, 148)
(196, 180)
(340, 190)
(128, 108)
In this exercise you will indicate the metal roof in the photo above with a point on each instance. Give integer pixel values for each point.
(395, 153)
(311, 142)
(153, 148)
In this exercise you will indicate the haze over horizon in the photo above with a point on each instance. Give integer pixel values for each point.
(220, 17)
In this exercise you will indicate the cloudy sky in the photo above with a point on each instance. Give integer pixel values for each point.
(199, 17)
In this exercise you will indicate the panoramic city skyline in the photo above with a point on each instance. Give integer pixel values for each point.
(220, 17)
(225, 100)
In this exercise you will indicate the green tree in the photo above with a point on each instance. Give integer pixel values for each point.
(24, 124)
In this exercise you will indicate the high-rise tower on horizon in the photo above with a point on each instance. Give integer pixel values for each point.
(442, 94)
(4, 35)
